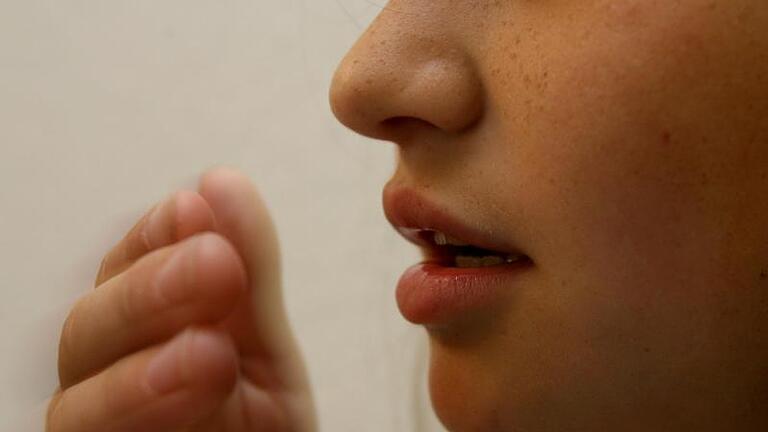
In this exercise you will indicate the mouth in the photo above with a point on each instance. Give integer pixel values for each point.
(443, 238)
(445, 250)
(465, 270)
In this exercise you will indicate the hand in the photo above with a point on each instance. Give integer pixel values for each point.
(186, 329)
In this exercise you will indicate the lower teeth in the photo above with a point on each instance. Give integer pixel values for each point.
(486, 261)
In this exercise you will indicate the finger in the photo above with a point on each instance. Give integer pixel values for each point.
(259, 324)
(159, 389)
(181, 215)
(198, 280)
(243, 218)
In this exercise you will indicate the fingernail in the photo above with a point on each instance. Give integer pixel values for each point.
(152, 231)
(164, 372)
(160, 230)
(170, 280)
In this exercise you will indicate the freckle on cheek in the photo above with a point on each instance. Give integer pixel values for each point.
(666, 137)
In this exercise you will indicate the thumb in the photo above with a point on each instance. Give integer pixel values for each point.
(259, 325)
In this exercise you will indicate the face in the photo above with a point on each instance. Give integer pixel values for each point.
(623, 145)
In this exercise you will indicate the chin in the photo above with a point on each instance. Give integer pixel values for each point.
(463, 394)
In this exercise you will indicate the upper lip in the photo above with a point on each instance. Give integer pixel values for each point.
(409, 212)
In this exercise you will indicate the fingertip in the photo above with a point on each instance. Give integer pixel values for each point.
(218, 265)
(211, 364)
(241, 213)
(220, 173)
(181, 215)
(209, 368)
(219, 184)
(192, 214)
(167, 387)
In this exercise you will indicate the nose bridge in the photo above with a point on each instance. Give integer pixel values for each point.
(406, 68)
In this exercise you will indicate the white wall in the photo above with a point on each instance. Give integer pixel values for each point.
(108, 106)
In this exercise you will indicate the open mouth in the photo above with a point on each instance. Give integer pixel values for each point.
(467, 267)
(439, 248)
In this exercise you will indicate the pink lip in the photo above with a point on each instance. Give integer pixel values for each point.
(405, 208)
(432, 294)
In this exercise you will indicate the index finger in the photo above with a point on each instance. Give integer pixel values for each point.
(181, 215)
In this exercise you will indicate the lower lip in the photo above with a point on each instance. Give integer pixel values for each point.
(433, 294)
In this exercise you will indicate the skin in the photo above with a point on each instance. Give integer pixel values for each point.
(202, 346)
(623, 146)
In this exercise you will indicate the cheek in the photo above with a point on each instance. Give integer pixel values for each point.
(630, 131)
(642, 174)
(599, 168)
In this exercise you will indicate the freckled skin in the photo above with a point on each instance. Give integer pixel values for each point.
(623, 145)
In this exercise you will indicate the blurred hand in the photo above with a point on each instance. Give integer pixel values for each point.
(186, 329)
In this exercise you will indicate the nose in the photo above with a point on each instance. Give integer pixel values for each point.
(406, 71)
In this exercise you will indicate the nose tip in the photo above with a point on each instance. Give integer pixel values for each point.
(392, 81)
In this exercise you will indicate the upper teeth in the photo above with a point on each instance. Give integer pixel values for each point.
(442, 239)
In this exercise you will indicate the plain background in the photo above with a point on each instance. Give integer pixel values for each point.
(109, 106)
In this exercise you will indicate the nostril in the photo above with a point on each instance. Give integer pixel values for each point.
(395, 122)
(401, 122)
(401, 128)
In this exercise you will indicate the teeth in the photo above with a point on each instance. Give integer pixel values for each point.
(441, 240)
(513, 258)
